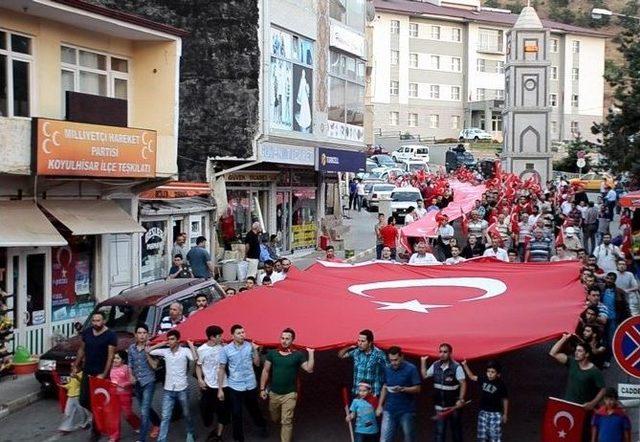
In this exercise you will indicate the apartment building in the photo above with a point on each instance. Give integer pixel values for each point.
(88, 120)
(439, 67)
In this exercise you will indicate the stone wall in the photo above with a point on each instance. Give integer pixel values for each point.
(218, 77)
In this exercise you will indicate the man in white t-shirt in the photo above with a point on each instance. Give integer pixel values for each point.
(420, 210)
(607, 254)
(360, 194)
(455, 256)
(422, 256)
(207, 373)
(176, 360)
(496, 252)
(627, 282)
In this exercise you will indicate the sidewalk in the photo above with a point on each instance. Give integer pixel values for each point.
(15, 394)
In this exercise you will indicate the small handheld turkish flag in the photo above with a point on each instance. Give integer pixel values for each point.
(105, 405)
(563, 421)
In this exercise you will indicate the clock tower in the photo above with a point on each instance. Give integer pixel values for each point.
(526, 146)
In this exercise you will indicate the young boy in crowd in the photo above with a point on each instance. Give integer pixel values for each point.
(363, 410)
(494, 402)
(609, 422)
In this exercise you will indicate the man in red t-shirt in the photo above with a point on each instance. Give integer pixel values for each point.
(389, 235)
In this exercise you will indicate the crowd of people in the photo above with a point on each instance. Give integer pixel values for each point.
(514, 221)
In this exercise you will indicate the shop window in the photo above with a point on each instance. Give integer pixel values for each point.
(153, 260)
(93, 73)
(303, 218)
(15, 75)
(291, 92)
(72, 278)
(348, 12)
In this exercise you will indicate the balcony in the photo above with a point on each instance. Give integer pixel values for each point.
(490, 48)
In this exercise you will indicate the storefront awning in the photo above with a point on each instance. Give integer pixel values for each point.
(22, 224)
(176, 206)
(92, 217)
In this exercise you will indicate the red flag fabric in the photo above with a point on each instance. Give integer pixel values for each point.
(631, 199)
(105, 405)
(495, 235)
(464, 224)
(415, 307)
(563, 421)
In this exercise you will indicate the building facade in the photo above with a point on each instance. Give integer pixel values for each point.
(88, 120)
(311, 107)
(439, 68)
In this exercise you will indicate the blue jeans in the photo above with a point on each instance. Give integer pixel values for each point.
(169, 399)
(455, 422)
(148, 416)
(390, 422)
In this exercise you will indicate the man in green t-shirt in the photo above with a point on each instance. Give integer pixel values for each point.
(283, 365)
(585, 384)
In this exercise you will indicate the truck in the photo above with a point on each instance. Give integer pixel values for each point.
(458, 156)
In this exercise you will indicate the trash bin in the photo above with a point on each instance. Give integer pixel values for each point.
(243, 269)
(229, 269)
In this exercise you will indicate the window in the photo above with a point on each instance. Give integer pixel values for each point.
(499, 94)
(575, 100)
(394, 118)
(456, 34)
(413, 60)
(435, 32)
(434, 121)
(413, 120)
(553, 100)
(292, 61)
(413, 90)
(455, 122)
(575, 128)
(456, 64)
(346, 88)
(455, 92)
(554, 72)
(349, 12)
(434, 91)
(15, 74)
(575, 74)
(394, 87)
(553, 45)
(489, 40)
(575, 46)
(435, 62)
(93, 73)
(496, 122)
(500, 67)
(480, 94)
(413, 29)
(481, 65)
(395, 58)
(395, 26)
(554, 127)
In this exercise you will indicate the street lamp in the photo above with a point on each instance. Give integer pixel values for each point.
(599, 13)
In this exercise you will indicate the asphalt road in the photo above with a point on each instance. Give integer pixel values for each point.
(530, 375)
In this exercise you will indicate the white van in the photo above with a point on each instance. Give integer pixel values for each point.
(411, 152)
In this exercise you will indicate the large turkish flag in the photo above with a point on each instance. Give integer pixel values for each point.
(563, 421)
(105, 405)
(481, 307)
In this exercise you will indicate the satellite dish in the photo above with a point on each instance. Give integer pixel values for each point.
(371, 11)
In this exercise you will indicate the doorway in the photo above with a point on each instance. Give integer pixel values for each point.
(29, 280)
(283, 220)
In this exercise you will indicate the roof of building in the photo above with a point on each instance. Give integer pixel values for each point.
(123, 16)
(410, 7)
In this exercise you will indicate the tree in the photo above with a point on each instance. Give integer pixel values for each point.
(619, 135)
(568, 163)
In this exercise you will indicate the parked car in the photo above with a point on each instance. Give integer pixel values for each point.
(384, 160)
(374, 192)
(411, 166)
(370, 165)
(401, 199)
(145, 303)
(593, 181)
(411, 152)
(391, 174)
(474, 134)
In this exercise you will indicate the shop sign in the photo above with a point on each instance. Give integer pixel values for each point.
(304, 236)
(344, 131)
(152, 252)
(335, 160)
(285, 154)
(347, 40)
(67, 148)
(251, 176)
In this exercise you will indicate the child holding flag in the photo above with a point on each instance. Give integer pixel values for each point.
(121, 376)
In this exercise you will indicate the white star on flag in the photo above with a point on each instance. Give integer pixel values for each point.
(413, 306)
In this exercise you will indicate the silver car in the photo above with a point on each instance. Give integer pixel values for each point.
(374, 192)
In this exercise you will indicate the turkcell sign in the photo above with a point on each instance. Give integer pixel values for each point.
(286, 154)
(629, 390)
(336, 160)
